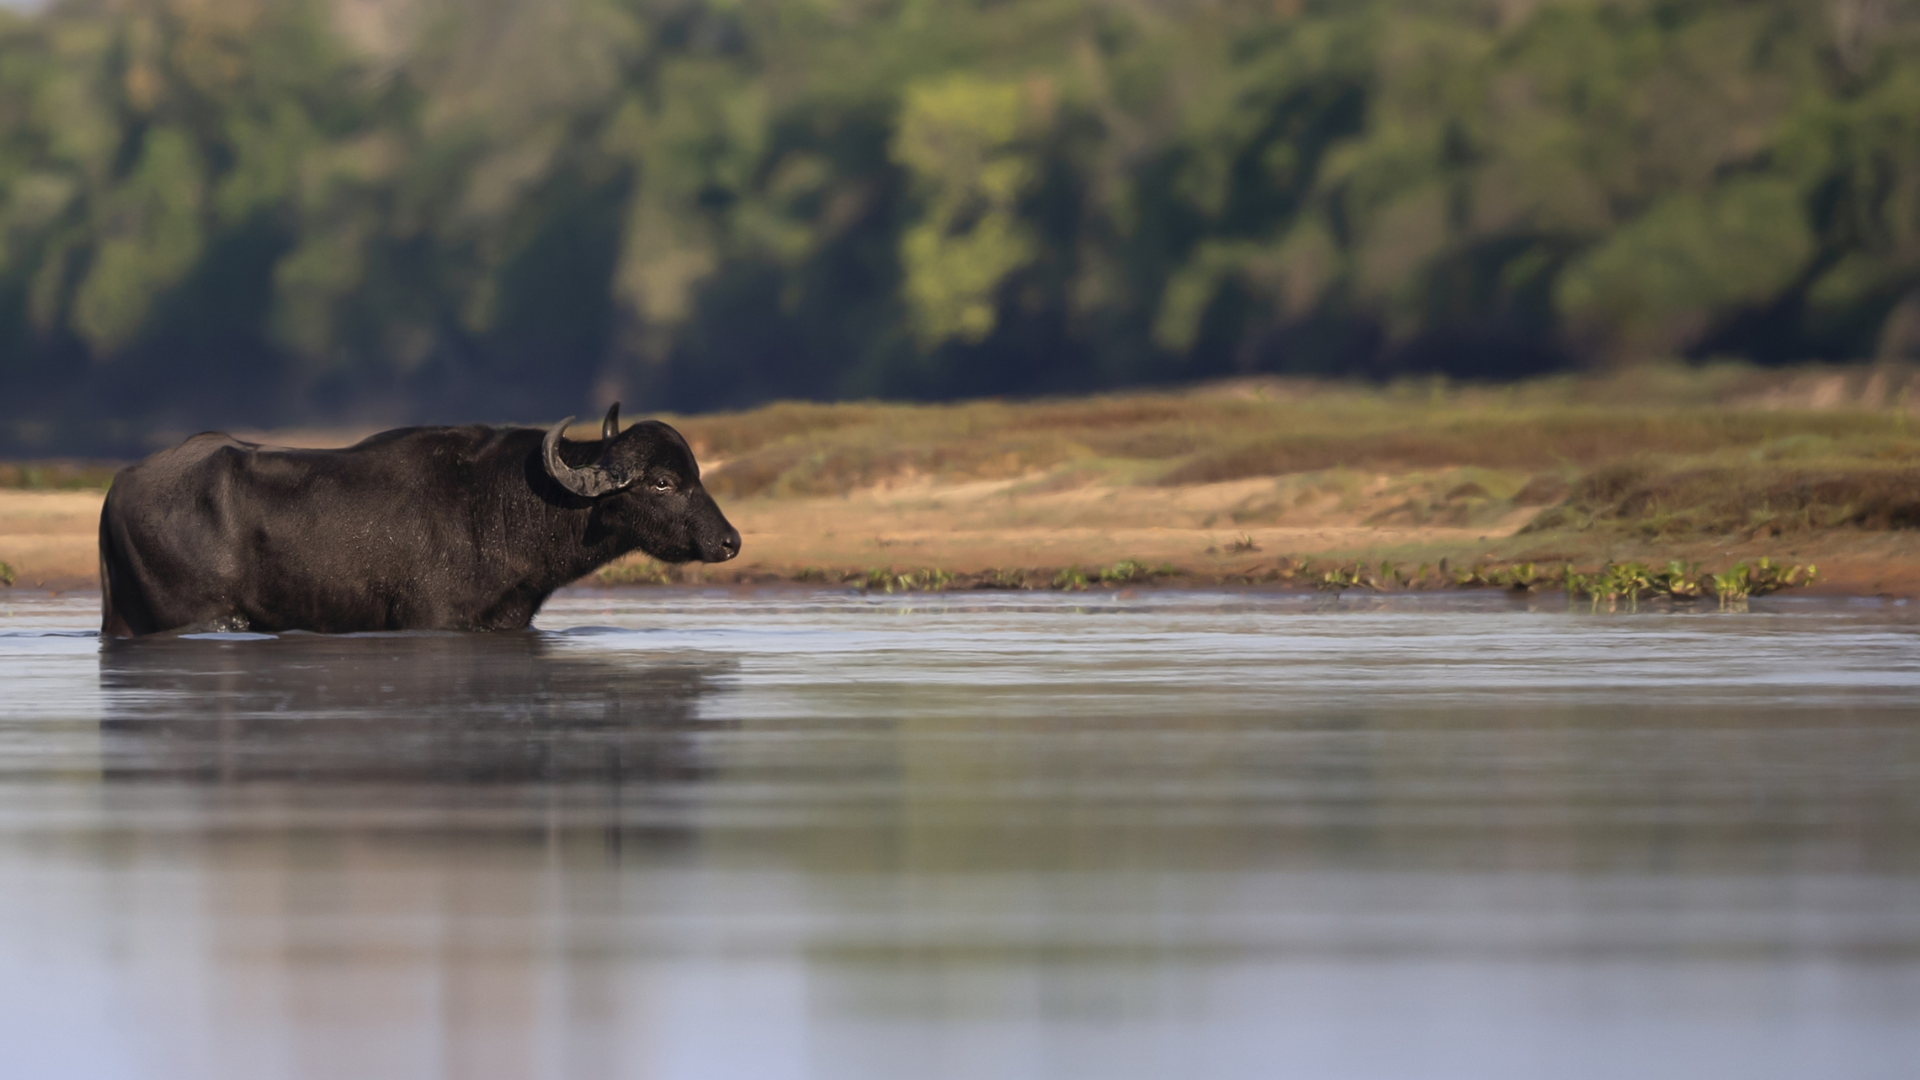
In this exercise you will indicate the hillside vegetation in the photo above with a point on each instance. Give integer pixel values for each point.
(274, 212)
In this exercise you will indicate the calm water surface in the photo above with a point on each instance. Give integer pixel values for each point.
(677, 835)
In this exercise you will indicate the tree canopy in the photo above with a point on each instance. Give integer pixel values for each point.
(278, 211)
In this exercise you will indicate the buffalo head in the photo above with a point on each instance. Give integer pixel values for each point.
(645, 484)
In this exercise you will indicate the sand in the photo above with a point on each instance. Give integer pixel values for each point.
(50, 538)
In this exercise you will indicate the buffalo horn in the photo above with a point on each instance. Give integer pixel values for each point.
(611, 425)
(591, 481)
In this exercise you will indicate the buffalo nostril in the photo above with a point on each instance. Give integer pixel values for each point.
(731, 543)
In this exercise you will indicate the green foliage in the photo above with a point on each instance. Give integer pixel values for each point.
(1631, 582)
(292, 208)
(1656, 278)
(933, 579)
(1070, 579)
(149, 239)
(1612, 584)
(1129, 572)
(6, 575)
(888, 581)
(957, 138)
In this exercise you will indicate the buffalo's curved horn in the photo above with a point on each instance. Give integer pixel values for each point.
(590, 481)
(611, 425)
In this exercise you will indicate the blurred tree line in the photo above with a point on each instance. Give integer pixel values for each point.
(279, 211)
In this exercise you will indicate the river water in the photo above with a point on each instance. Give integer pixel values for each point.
(676, 834)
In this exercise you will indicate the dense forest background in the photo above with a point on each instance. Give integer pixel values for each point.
(261, 212)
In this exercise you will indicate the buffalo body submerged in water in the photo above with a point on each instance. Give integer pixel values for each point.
(430, 528)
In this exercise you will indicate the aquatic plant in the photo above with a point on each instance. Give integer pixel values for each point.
(1613, 583)
(1682, 581)
(1071, 579)
(1388, 575)
(6, 574)
(1003, 579)
(935, 579)
(1734, 586)
(1337, 579)
(932, 579)
(1477, 575)
(1631, 582)
(1763, 577)
(1128, 571)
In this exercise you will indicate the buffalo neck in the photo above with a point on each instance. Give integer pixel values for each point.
(575, 540)
(541, 535)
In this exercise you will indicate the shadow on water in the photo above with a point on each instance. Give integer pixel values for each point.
(382, 709)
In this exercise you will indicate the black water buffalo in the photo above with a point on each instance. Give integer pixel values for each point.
(429, 528)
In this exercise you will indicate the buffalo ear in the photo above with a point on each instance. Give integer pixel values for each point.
(589, 481)
(611, 425)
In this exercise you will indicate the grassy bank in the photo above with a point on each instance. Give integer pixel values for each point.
(1550, 430)
(1286, 482)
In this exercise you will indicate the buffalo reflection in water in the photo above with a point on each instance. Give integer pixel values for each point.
(453, 709)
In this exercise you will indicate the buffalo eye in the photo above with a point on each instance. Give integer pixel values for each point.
(663, 485)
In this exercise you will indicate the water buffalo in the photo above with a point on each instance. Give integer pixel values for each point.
(427, 528)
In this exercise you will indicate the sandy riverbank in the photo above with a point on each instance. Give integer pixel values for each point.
(1239, 481)
(49, 538)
